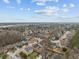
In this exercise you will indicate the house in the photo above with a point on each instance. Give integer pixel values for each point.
(39, 57)
(38, 48)
(28, 49)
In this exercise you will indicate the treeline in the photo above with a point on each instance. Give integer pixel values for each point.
(9, 37)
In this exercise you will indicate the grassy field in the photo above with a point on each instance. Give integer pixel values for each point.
(75, 40)
(3, 56)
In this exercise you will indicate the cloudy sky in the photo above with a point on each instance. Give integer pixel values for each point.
(39, 10)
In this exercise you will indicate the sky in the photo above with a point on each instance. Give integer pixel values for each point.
(39, 10)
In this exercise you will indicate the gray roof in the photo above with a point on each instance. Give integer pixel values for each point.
(57, 57)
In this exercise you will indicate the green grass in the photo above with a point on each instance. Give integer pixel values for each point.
(3, 55)
(23, 55)
(75, 40)
(33, 55)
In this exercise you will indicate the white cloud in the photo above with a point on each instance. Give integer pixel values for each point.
(48, 11)
(69, 5)
(55, 0)
(43, 2)
(52, 10)
(21, 9)
(28, 9)
(18, 1)
(6, 1)
(65, 10)
(40, 4)
(25, 9)
(72, 5)
(65, 5)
